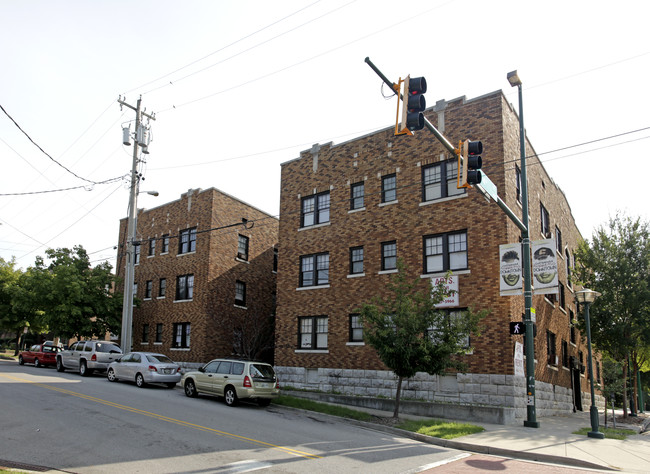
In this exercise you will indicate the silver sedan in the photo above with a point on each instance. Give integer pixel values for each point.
(144, 368)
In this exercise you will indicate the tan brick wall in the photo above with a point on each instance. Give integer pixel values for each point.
(488, 118)
(211, 312)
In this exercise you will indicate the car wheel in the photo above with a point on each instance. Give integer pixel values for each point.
(230, 396)
(139, 380)
(59, 365)
(171, 384)
(264, 402)
(110, 375)
(84, 371)
(190, 389)
(36, 363)
(20, 360)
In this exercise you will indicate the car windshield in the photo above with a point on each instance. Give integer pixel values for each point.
(107, 347)
(262, 371)
(163, 359)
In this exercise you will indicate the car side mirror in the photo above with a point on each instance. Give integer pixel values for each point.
(201, 369)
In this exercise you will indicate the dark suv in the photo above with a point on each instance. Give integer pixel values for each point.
(88, 356)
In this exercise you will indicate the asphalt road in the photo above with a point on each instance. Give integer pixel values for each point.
(89, 425)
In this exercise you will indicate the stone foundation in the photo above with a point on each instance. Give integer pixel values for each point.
(489, 390)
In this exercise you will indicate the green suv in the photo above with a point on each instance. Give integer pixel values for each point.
(234, 380)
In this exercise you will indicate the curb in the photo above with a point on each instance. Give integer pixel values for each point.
(474, 448)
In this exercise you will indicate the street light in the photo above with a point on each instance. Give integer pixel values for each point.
(586, 297)
(531, 418)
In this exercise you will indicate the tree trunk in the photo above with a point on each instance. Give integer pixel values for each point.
(635, 391)
(625, 390)
(397, 396)
(18, 335)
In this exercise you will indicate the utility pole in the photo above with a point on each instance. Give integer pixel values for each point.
(129, 273)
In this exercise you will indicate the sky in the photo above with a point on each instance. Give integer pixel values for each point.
(239, 87)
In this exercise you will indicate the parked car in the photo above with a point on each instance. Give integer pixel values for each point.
(88, 356)
(39, 355)
(233, 380)
(145, 368)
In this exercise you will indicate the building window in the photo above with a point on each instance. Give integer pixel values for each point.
(148, 290)
(389, 188)
(165, 244)
(159, 329)
(550, 348)
(185, 287)
(162, 288)
(242, 247)
(356, 260)
(389, 255)
(187, 241)
(356, 329)
(313, 332)
(567, 258)
(572, 330)
(240, 293)
(181, 336)
(545, 221)
(518, 183)
(135, 290)
(357, 191)
(152, 247)
(275, 260)
(315, 209)
(440, 180)
(445, 252)
(136, 253)
(314, 269)
(558, 239)
(565, 354)
(451, 315)
(145, 333)
(582, 362)
(561, 293)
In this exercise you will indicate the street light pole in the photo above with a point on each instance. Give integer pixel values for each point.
(587, 297)
(531, 418)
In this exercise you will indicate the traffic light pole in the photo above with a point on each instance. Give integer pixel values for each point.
(523, 226)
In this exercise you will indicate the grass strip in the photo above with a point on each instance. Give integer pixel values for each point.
(430, 427)
(610, 433)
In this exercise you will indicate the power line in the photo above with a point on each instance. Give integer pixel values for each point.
(219, 50)
(43, 151)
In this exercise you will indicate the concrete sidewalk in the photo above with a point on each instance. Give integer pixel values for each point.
(555, 442)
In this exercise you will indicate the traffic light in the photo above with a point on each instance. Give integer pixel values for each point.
(474, 161)
(469, 163)
(413, 103)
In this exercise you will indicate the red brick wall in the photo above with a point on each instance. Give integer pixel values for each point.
(488, 118)
(211, 312)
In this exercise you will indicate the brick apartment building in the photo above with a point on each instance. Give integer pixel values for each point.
(348, 211)
(206, 287)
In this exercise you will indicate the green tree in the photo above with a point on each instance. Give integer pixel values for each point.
(616, 263)
(76, 299)
(19, 311)
(410, 334)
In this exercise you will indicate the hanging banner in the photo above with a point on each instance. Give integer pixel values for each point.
(544, 267)
(451, 285)
(510, 281)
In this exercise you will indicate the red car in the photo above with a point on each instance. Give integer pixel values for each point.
(39, 355)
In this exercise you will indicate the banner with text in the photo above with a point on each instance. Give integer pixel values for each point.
(451, 285)
(544, 267)
(511, 282)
